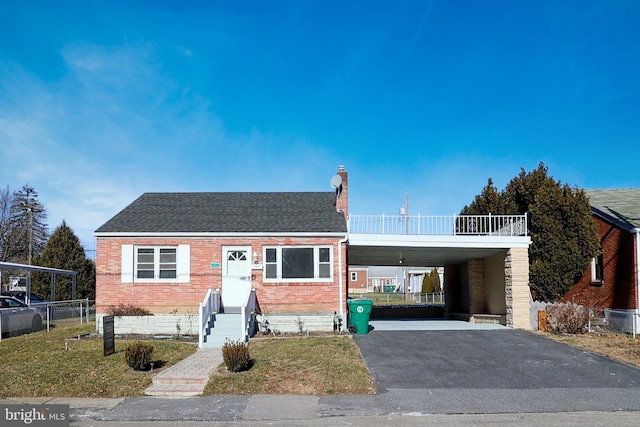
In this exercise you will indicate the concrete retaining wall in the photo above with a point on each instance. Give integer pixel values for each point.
(186, 324)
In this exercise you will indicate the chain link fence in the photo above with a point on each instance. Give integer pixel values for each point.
(69, 312)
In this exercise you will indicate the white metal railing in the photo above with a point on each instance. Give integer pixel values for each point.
(247, 311)
(432, 298)
(210, 305)
(481, 225)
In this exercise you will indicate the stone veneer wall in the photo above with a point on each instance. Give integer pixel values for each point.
(517, 293)
(477, 298)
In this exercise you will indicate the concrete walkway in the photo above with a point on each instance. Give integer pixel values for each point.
(187, 377)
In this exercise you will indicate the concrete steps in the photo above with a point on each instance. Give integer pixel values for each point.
(223, 327)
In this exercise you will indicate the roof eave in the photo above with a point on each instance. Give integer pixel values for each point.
(631, 228)
(219, 234)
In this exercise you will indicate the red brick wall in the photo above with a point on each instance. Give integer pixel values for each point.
(618, 289)
(298, 297)
(359, 285)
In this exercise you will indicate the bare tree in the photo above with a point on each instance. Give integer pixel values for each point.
(6, 200)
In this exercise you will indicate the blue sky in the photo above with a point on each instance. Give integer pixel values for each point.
(101, 101)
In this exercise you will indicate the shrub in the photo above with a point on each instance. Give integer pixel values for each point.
(567, 318)
(138, 355)
(127, 310)
(236, 356)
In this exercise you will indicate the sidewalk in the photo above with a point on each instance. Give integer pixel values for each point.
(307, 411)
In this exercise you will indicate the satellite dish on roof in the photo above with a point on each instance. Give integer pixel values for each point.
(336, 181)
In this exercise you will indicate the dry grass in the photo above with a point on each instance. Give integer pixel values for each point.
(312, 366)
(622, 348)
(41, 365)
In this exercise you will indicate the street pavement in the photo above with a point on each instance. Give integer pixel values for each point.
(445, 375)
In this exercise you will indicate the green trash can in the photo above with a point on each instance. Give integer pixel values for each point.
(359, 311)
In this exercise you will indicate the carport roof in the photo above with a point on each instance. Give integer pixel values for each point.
(432, 250)
(15, 266)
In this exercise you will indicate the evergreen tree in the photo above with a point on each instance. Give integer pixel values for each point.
(427, 285)
(435, 280)
(489, 200)
(64, 251)
(27, 230)
(564, 237)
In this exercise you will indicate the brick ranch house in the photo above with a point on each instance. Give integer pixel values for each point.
(358, 278)
(165, 251)
(612, 281)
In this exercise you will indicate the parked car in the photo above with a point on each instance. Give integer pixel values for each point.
(35, 301)
(17, 317)
(22, 296)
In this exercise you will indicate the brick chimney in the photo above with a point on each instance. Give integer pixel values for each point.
(342, 203)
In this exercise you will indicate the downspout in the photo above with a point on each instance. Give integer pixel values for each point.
(341, 281)
(637, 231)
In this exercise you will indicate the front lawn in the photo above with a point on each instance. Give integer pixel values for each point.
(49, 364)
(297, 365)
(623, 348)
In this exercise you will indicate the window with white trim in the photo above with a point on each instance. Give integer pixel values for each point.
(354, 276)
(289, 263)
(597, 269)
(156, 263)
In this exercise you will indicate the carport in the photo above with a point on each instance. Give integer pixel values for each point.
(486, 276)
(53, 271)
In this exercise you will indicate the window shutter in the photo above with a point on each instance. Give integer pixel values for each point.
(127, 264)
(184, 263)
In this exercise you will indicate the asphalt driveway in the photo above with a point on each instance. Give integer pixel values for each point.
(502, 370)
(480, 359)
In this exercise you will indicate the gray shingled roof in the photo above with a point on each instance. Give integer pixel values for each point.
(620, 207)
(376, 272)
(229, 213)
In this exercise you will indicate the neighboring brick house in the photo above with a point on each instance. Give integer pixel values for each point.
(165, 250)
(385, 279)
(358, 279)
(612, 280)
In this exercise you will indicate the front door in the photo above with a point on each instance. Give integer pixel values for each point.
(236, 275)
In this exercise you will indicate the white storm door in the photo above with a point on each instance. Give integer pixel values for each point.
(236, 275)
